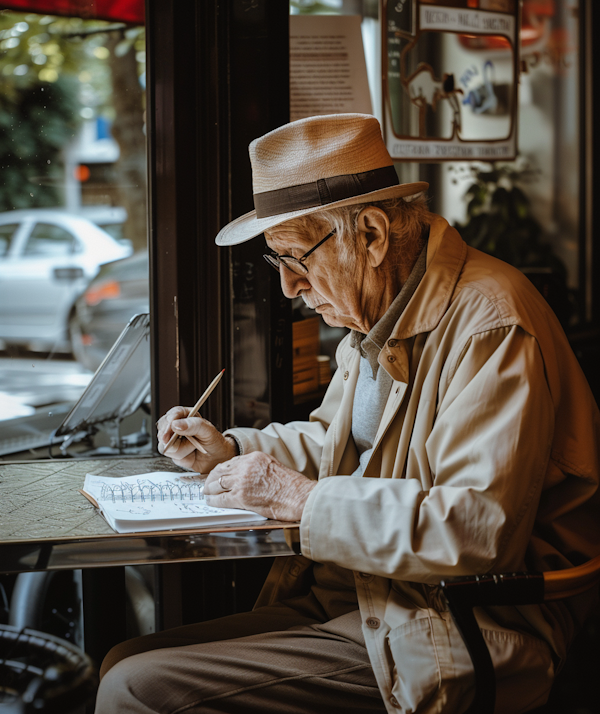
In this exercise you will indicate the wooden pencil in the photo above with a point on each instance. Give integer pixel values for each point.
(195, 410)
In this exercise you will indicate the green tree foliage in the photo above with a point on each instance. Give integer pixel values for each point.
(37, 119)
(56, 72)
(39, 106)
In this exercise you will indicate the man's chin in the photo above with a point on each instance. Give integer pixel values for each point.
(331, 318)
(323, 309)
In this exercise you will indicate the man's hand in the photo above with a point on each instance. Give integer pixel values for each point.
(184, 452)
(258, 482)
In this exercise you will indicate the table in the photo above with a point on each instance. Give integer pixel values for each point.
(46, 524)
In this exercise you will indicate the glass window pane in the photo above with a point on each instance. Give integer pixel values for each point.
(527, 211)
(48, 240)
(72, 207)
(7, 232)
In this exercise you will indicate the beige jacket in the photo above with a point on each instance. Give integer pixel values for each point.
(486, 461)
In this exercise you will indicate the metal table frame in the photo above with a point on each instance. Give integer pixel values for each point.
(265, 540)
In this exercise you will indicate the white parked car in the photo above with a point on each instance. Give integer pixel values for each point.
(47, 257)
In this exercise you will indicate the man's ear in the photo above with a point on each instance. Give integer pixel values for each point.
(374, 227)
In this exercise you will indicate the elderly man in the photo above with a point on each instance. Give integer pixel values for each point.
(458, 436)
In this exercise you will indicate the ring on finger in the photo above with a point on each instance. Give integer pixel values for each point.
(221, 485)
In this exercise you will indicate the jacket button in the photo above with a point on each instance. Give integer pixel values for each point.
(394, 702)
(294, 570)
(346, 374)
(392, 343)
(365, 577)
(373, 622)
(391, 358)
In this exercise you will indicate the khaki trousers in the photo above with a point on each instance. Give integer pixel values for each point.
(274, 659)
(291, 659)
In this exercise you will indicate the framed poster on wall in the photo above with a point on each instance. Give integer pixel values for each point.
(450, 72)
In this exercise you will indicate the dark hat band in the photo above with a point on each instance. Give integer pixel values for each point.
(323, 191)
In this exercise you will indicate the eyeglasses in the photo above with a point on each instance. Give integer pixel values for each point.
(296, 265)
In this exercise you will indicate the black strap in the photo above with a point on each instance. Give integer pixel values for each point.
(323, 191)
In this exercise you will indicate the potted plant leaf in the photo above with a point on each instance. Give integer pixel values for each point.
(500, 222)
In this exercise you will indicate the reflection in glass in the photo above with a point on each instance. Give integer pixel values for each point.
(72, 202)
(449, 84)
(527, 211)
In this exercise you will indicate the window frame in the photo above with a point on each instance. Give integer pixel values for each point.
(199, 179)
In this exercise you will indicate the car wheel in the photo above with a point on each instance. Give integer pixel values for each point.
(49, 602)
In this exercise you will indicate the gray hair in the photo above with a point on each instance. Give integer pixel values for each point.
(408, 218)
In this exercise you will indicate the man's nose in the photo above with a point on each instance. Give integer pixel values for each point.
(292, 284)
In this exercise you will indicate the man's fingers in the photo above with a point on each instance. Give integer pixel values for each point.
(219, 483)
(163, 425)
(177, 413)
(179, 449)
(187, 462)
(201, 433)
(197, 437)
(212, 477)
(178, 429)
(213, 484)
(196, 443)
(222, 500)
(193, 426)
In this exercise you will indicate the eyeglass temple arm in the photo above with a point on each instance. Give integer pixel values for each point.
(312, 250)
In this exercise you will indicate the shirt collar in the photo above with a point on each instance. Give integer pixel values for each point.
(370, 345)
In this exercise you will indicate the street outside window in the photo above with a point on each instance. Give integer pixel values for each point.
(73, 246)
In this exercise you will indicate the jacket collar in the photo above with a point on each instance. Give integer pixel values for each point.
(446, 255)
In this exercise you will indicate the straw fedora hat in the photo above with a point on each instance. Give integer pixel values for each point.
(313, 164)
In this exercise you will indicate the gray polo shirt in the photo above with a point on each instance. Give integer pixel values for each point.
(374, 384)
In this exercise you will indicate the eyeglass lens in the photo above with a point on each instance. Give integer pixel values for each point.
(296, 265)
(290, 263)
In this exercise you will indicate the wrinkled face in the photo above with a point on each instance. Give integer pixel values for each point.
(335, 290)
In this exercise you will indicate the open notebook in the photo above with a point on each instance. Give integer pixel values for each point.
(158, 501)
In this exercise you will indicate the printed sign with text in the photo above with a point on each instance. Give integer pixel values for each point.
(450, 79)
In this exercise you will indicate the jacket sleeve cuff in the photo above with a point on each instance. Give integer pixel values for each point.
(305, 521)
(236, 438)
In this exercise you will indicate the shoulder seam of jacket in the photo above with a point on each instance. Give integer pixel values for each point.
(455, 362)
(508, 320)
